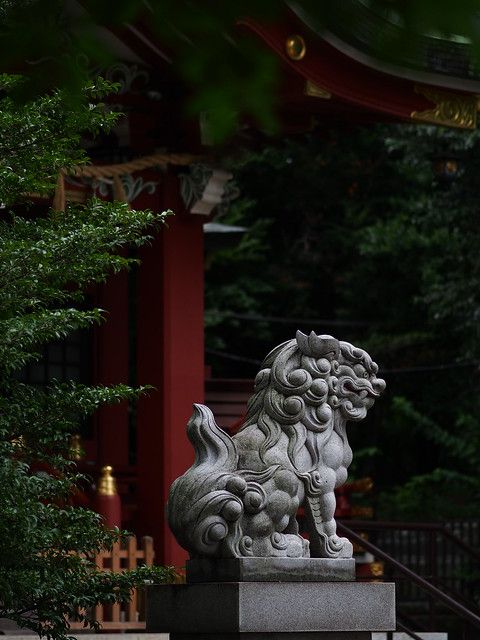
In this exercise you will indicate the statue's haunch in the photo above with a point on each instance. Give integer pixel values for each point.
(241, 495)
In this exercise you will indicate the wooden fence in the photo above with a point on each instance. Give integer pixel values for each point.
(123, 556)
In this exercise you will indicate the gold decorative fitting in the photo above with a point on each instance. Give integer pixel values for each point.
(451, 109)
(376, 569)
(295, 47)
(107, 485)
(315, 91)
(76, 451)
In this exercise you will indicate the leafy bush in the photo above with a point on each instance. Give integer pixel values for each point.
(47, 546)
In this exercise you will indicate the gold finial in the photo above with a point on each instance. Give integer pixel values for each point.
(76, 451)
(295, 47)
(107, 485)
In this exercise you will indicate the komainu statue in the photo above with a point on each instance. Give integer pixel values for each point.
(241, 495)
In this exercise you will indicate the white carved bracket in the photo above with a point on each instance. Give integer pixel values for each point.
(204, 188)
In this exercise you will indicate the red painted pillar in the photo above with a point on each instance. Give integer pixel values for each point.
(111, 367)
(170, 357)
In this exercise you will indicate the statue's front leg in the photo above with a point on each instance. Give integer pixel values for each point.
(324, 541)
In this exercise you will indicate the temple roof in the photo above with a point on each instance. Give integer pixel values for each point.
(360, 31)
(336, 70)
(337, 61)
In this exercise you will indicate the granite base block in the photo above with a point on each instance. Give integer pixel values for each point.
(271, 570)
(271, 607)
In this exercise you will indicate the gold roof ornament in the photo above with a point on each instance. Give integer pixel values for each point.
(295, 47)
(451, 109)
(107, 485)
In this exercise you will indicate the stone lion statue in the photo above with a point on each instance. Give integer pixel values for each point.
(241, 495)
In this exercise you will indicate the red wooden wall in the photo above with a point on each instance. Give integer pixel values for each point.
(169, 356)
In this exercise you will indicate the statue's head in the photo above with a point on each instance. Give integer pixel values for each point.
(308, 379)
(350, 372)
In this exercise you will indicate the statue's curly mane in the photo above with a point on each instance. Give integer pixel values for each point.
(296, 386)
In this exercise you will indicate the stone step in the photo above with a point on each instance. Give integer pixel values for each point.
(400, 635)
(93, 636)
(397, 635)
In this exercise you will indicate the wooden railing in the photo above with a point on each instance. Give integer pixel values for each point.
(123, 556)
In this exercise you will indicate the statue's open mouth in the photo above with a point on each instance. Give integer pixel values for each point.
(362, 387)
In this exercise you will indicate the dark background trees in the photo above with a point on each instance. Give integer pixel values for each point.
(369, 234)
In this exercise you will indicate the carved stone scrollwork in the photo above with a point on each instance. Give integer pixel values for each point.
(241, 496)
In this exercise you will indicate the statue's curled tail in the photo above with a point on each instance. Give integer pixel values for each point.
(218, 510)
(204, 505)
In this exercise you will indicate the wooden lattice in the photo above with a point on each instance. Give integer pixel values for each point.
(123, 556)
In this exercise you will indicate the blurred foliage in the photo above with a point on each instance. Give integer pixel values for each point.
(227, 74)
(47, 544)
(356, 235)
(43, 135)
(439, 495)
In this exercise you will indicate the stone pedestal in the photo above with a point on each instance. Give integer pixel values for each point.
(271, 610)
(270, 570)
(234, 510)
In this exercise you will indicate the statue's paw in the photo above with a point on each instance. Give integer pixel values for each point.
(297, 547)
(332, 547)
(339, 547)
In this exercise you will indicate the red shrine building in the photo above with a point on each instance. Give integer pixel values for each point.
(153, 332)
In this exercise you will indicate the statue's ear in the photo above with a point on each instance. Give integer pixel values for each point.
(318, 346)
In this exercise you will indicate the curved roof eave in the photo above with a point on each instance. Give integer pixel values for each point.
(440, 80)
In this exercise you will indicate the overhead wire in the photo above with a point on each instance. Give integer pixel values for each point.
(382, 371)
